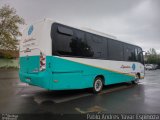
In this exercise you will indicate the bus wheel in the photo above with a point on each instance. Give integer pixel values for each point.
(98, 85)
(137, 78)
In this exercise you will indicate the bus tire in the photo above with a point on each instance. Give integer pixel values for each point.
(138, 76)
(97, 85)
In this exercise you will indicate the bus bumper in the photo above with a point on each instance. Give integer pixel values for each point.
(41, 79)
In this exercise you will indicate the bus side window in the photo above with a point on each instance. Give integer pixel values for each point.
(98, 45)
(129, 53)
(62, 37)
(115, 49)
(140, 56)
(136, 54)
(79, 46)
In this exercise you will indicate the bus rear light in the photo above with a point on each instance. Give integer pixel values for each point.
(42, 62)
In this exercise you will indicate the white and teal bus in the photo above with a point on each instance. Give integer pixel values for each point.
(55, 56)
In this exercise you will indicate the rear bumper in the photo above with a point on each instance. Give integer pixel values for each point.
(64, 81)
(41, 79)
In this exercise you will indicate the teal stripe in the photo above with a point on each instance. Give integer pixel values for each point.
(69, 74)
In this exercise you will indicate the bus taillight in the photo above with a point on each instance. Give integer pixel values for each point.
(42, 62)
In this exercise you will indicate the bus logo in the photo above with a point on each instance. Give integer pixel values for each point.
(30, 30)
(133, 66)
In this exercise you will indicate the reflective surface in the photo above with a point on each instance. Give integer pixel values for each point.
(16, 97)
(68, 41)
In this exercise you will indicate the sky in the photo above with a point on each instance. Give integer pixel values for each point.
(133, 21)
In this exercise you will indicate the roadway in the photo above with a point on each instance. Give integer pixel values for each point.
(17, 97)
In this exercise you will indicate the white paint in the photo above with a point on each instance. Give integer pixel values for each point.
(110, 65)
(38, 41)
(40, 38)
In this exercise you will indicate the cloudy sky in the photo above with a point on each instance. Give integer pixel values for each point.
(133, 21)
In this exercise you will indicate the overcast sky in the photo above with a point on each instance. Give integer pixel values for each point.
(133, 21)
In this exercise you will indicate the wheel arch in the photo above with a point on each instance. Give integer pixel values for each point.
(138, 74)
(102, 77)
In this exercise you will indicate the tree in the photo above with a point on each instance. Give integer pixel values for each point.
(152, 51)
(9, 29)
(153, 57)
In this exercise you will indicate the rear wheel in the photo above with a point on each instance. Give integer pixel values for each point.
(97, 85)
(137, 78)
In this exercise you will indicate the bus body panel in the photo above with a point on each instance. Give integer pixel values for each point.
(29, 64)
(35, 39)
(64, 73)
(77, 73)
(36, 78)
(38, 39)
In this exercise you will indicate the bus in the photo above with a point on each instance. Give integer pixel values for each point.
(56, 56)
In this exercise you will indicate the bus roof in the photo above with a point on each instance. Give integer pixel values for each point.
(98, 32)
(86, 30)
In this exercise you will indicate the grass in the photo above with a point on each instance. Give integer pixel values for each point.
(9, 68)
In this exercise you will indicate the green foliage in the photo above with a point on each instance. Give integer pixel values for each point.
(153, 57)
(9, 54)
(9, 29)
(152, 51)
(9, 68)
